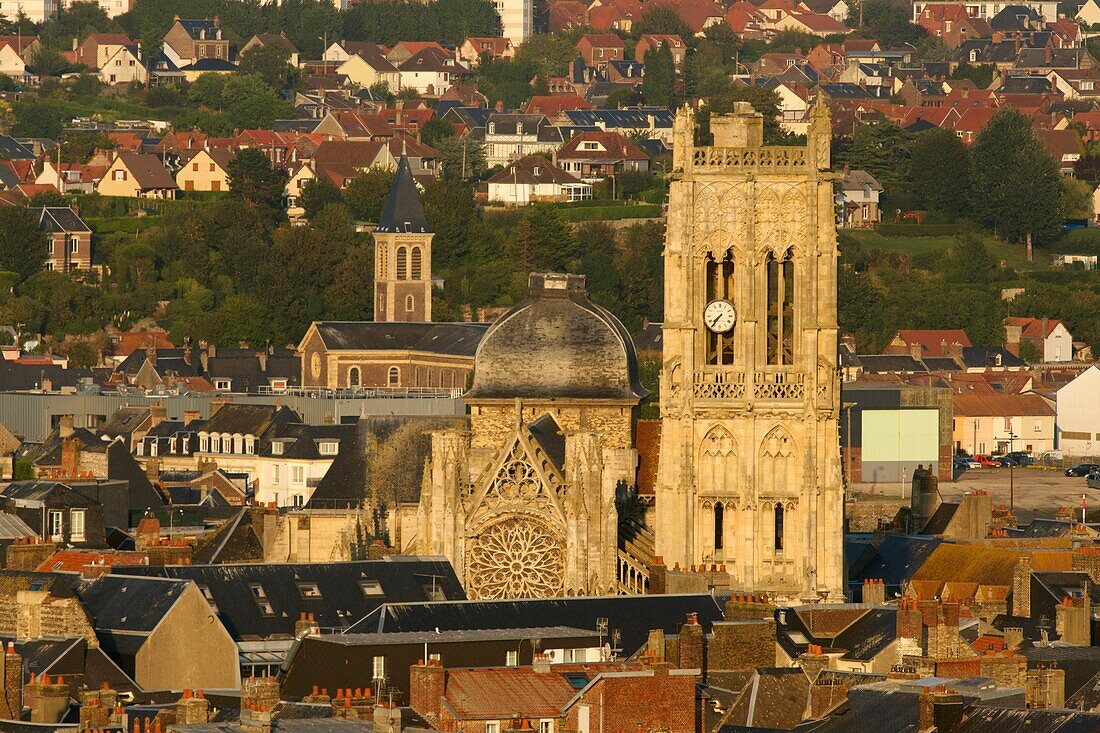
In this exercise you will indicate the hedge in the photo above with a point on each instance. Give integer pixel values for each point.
(915, 230)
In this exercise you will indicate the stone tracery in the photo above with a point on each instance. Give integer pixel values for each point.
(518, 557)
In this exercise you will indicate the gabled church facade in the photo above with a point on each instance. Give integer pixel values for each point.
(522, 502)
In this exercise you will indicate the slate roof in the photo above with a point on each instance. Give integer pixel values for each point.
(342, 599)
(875, 708)
(860, 631)
(634, 117)
(147, 170)
(880, 363)
(634, 616)
(457, 339)
(775, 699)
(124, 604)
(59, 219)
(404, 212)
(533, 169)
(896, 559)
(11, 149)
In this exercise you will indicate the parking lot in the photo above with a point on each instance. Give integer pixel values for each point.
(1038, 492)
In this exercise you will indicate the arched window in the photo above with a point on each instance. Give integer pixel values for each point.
(780, 315)
(393, 379)
(719, 528)
(416, 261)
(778, 526)
(353, 378)
(402, 263)
(408, 302)
(720, 286)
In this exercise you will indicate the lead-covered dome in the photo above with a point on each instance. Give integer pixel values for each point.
(556, 344)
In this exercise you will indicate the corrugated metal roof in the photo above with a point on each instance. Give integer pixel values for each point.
(12, 527)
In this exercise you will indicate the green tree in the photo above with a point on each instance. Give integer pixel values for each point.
(980, 74)
(661, 18)
(461, 158)
(78, 20)
(366, 195)
(1017, 187)
(881, 149)
(39, 118)
(317, 194)
(451, 209)
(48, 62)
(939, 167)
(271, 63)
(207, 90)
(548, 53)
(250, 103)
(659, 81)
(792, 41)
(254, 181)
(1077, 196)
(435, 130)
(22, 245)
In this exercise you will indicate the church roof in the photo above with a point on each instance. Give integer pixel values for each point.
(557, 344)
(403, 210)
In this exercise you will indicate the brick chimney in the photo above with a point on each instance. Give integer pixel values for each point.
(158, 413)
(540, 663)
(658, 576)
(1021, 588)
(70, 456)
(691, 643)
(916, 351)
(925, 713)
(147, 534)
(12, 701)
(152, 469)
(190, 416)
(812, 661)
(65, 427)
(427, 685)
(909, 622)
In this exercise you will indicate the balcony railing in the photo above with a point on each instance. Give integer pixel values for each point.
(757, 160)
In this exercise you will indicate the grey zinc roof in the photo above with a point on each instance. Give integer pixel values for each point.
(571, 346)
(404, 212)
(459, 339)
(59, 219)
(12, 527)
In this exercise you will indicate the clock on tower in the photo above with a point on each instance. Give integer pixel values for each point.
(749, 474)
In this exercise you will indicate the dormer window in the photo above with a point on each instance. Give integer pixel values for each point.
(276, 449)
(492, 128)
(537, 171)
(328, 448)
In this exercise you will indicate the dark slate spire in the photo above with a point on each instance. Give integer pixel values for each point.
(403, 210)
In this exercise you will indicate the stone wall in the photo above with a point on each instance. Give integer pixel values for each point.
(865, 513)
(615, 424)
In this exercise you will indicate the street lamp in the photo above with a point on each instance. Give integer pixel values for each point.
(1011, 463)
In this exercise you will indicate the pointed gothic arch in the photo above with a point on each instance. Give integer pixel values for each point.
(718, 460)
(778, 462)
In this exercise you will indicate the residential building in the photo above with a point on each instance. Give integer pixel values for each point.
(429, 72)
(69, 245)
(535, 178)
(36, 11)
(1002, 423)
(510, 136)
(812, 23)
(124, 66)
(594, 156)
(113, 8)
(597, 49)
(16, 51)
(1089, 13)
(921, 343)
(1040, 339)
(208, 170)
(517, 19)
(988, 9)
(1078, 418)
(56, 512)
(96, 48)
(137, 175)
(859, 197)
(654, 123)
(470, 52)
(190, 41)
(368, 67)
(652, 41)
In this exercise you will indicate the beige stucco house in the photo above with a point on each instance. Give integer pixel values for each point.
(207, 171)
(137, 175)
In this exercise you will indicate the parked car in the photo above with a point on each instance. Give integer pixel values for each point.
(962, 463)
(1017, 459)
(989, 462)
(1093, 480)
(1083, 469)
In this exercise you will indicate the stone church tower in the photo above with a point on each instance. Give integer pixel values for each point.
(403, 254)
(750, 454)
(523, 502)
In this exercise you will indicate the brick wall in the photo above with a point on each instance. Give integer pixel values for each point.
(489, 422)
(741, 645)
(427, 683)
(660, 701)
(28, 556)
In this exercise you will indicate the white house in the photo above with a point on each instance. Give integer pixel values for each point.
(517, 19)
(1048, 337)
(534, 178)
(124, 66)
(1078, 418)
(859, 197)
(794, 109)
(1089, 13)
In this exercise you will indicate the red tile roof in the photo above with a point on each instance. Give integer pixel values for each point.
(932, 340)
(615, 147)
(1034, 327)
(1004, 405)
(498, 692)
(74, 561)
(131, 341)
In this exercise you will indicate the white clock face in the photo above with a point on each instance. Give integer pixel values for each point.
(719, 316)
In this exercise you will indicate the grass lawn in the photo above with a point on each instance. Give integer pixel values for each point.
(1014, 255)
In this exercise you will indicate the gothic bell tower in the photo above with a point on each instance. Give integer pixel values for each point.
(403, 254)
(749, 470)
